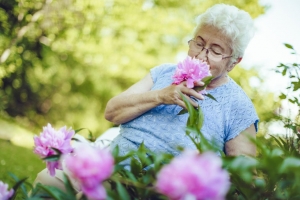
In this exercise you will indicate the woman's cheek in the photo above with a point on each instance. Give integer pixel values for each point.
(191, 54)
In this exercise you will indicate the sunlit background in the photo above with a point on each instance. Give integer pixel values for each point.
(61, 61)
(279, 25)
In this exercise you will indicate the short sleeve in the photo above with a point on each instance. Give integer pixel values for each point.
(160, 70)
(242, 116)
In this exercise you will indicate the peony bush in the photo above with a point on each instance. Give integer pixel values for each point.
(5, 194)
(52, 142)
(194, 176)
(100, 174)
(90, 167)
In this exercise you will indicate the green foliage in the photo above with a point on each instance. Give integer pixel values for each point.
(273, 174)
(61, 61)
(292, 72)
(138, 182)
(275, 171)
(18, 162)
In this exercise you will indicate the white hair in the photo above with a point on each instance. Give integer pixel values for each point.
(234, 23)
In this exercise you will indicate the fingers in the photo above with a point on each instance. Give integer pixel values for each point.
(199, 83)
(194, 103)
(191, 92)
(181, 102)
(171, 94)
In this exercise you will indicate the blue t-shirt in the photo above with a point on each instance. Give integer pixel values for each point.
(163, 130)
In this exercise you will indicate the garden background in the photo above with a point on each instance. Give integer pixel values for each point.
(61, 61)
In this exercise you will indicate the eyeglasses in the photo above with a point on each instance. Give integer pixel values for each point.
(212, 53)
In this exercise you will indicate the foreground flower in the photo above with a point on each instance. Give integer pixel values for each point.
(4, 193)
(194, 176)
(191, 70)
(51, 138)
(90, 166)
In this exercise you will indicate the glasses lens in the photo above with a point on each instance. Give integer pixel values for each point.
(214, 57)
(197, 48)
(194, 46)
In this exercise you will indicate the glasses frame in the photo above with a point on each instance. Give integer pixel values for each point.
(208, 51)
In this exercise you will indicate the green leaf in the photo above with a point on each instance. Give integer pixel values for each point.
(199, 88)
(56, 150)
(115, 151)
(243, 166)
(289, 164)
(288, 46)
(282, 96)
(259, 182)
(142, 148)
(143, 154)
(183, 111)
(122, 192)
(52, 158)
(122, 158)
(296, 85)
(130, 176)
(206, 81)
(70, 190)
(77, 130)
(211, 96)
(54, 192)
(284, 71)
(34, 198)
(91, 136)
(112, 195)
(24, 190)
(75, 139)
(200, 118)
(135, 166)
(190, 108)
(17, 186)
(277, 141)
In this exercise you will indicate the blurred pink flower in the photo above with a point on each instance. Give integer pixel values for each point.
(51, 138)
(4, 193)
(90, 166)
(194, 176)
(191, 70)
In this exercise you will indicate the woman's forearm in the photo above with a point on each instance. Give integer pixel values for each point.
(139, 98)
(126, 107)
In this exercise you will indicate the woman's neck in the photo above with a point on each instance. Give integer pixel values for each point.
(218, 81)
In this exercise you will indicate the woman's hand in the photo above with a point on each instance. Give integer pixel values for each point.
(171, 94)
(139, 98)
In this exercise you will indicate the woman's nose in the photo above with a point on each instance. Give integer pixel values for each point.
(203, 55)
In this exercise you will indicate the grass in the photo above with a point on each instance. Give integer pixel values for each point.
(20, 161)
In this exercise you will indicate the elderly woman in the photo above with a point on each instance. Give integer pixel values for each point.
(148, 110)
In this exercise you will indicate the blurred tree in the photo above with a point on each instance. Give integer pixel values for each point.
(61, 61)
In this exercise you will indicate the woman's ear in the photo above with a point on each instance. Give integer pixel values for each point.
(238, 60)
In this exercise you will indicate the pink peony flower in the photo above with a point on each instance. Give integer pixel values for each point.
(191, 70)
(194, 176)
(51, 138)
(4, 193)
(90, 166)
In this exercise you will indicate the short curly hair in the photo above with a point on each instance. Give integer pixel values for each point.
(234, 23)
